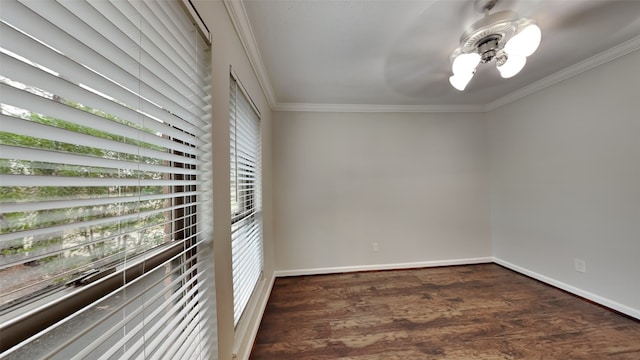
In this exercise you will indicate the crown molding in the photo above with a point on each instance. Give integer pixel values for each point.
(240, 21)
(604, 57)
(377, 108)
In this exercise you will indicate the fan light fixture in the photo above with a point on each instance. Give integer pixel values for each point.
(503, 37)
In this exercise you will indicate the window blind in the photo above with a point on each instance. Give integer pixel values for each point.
(246, 217)
(104, 181)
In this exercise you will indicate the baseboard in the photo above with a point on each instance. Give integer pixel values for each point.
(244, 351)
(375, 267)
(634, 313)
(244, 344)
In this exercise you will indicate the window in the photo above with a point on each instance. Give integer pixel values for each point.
(246, 218)
(104, 181)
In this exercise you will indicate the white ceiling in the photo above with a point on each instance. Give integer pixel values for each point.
(394, 54)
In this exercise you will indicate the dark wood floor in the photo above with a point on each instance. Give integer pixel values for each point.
(459, 312)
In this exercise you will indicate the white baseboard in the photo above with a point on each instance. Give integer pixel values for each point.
(635, 313)
(244, 351)
(247, 336)
(375, 267)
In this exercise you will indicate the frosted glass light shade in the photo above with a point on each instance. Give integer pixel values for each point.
(525, 42)
(460, 81)
(465, 63)
(513, 66)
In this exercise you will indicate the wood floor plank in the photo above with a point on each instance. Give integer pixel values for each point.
(459, 312)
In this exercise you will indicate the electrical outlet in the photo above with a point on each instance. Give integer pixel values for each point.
(375, 247)
(580, 265)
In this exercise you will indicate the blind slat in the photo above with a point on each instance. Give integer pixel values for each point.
(246, 236)
(44, 56)
(105, 171)
(62, 181)
(133, 77)
(118, 303)
(41, 79)
(47, 132)
(118, 29)
(64, 204)
(5, 238)
(66, 158)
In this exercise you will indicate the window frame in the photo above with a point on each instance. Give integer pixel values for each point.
(27, 317)
(250, 206)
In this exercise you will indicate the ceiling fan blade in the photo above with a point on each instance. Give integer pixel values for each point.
(576, 14)
(417, 56)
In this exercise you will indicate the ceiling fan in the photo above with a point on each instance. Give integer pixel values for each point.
(502, 37)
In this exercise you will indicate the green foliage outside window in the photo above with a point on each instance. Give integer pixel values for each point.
(61, 254)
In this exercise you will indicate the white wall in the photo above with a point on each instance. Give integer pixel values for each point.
(227, 50)
(414, 183)
(565, 183)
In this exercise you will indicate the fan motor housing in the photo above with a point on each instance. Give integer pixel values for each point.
(501, 25)
(488, 47)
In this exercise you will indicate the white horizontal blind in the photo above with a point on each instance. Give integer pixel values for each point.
(246, 216)
(104, 180)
